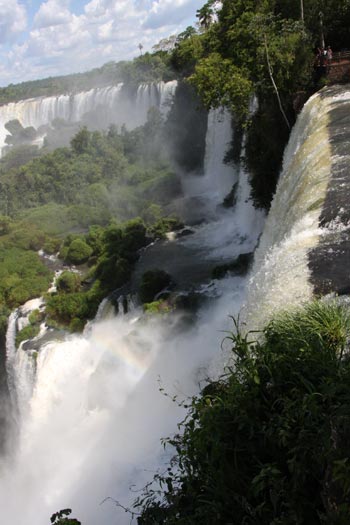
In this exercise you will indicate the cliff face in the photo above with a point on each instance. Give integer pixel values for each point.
(304, 249)
(329, 260)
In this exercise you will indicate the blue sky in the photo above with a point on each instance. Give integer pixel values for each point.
(41, 38)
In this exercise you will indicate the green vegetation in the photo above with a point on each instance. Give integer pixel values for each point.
(113, 252)
(65, 308)
(69, 282)
(157, 307)
(160, 227)
(89, 189)
(149, 67)
(100, 177)
(268, 442)
(78, 252)
(22, 275)
(36, 316)
(61, 518)
(27, 332)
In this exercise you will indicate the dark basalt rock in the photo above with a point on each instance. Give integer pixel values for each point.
(329, 261)
(153, 282)
(231, 198)
(184, 233)
(238, 267)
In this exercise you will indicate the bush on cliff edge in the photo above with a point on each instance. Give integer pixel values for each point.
(268, 442)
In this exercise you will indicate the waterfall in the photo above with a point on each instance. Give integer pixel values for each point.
(228, 232)
(91, 426)
(314, 174)
(218, 177)
(115, 104)
(91, 415)
(21, 365)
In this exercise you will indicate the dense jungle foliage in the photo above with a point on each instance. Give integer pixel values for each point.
(100, 176)
(75, 201)
(268, 442)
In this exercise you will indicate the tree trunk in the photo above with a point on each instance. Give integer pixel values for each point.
(274, 84)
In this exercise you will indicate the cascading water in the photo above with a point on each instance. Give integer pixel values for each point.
(21, 365)
(116, 105)
(218, 177)
(232, 231)
(92, 424)
(305, 240)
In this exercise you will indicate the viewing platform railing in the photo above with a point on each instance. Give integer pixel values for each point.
(338, 56)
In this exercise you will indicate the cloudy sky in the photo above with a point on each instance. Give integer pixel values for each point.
(40, 38)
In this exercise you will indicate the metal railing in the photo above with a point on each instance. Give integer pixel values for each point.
(338, 56)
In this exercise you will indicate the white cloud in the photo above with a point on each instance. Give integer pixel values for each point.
(105, 31)
(61, 42)
(13, 20)
(52, 13)
(95, 8)
(162, 11)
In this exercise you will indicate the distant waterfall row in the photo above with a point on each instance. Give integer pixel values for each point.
(119, 104)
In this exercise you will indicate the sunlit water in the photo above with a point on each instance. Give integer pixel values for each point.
(282, 272)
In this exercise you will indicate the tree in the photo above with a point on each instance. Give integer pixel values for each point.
(68, 282)
(60, 518)
(78, 252)
(187, 33)
(166, 44)
(206, 13)
(80, 142)
(221, 83)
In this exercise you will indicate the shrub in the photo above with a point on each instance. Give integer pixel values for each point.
(65, 307)
(157, 307)
(76, 325)
(28, 332)
(268, 442)
(78, 252)
(51, 246)
(36, 316)
(165, 225)
(68, 282)
(134, 236)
